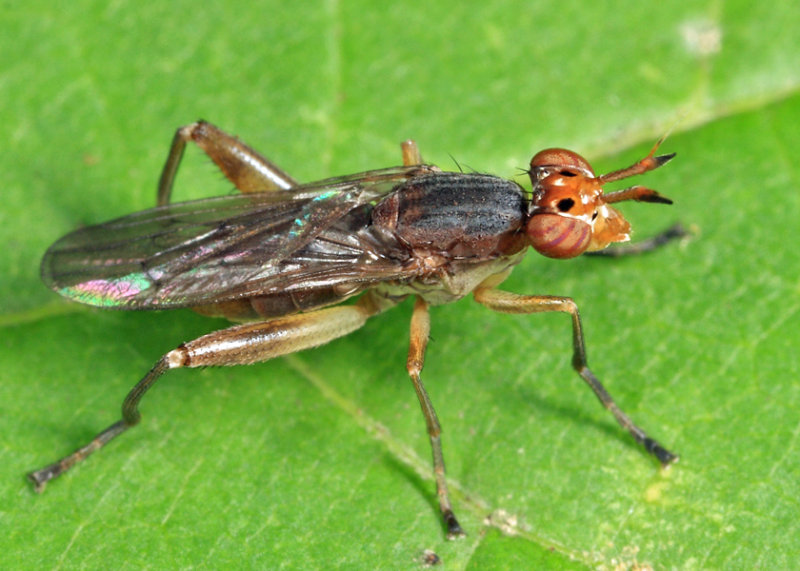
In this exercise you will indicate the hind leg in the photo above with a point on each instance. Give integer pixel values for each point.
(248, 170)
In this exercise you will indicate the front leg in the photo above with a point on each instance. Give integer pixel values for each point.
(674, 232)
(237, 345)
(506, 302)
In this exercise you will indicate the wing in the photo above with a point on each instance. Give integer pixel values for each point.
(222, 248)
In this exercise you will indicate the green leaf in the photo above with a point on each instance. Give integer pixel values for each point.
(320, 459)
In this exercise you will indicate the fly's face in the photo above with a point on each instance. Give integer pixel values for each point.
(569, 214)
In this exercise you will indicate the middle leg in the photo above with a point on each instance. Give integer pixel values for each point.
(420, 332)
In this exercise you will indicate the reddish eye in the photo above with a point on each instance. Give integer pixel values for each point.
(557, 236)
(561, 159)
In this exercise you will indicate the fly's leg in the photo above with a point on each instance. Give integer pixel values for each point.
(130, 417)
(674, 232)
(246, 168)
(242, 165)
(237, 345)
(411, 155)
(506, 302)
(420, 331)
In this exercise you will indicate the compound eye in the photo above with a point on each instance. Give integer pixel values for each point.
(557, 236)
(562, 161)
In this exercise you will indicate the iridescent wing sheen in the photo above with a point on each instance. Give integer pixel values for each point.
(216, 249)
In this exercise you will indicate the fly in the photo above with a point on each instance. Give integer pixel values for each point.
(280, 256)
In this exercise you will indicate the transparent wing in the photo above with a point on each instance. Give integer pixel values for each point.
(221, 248)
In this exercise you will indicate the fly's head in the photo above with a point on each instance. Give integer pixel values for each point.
(569, 213)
